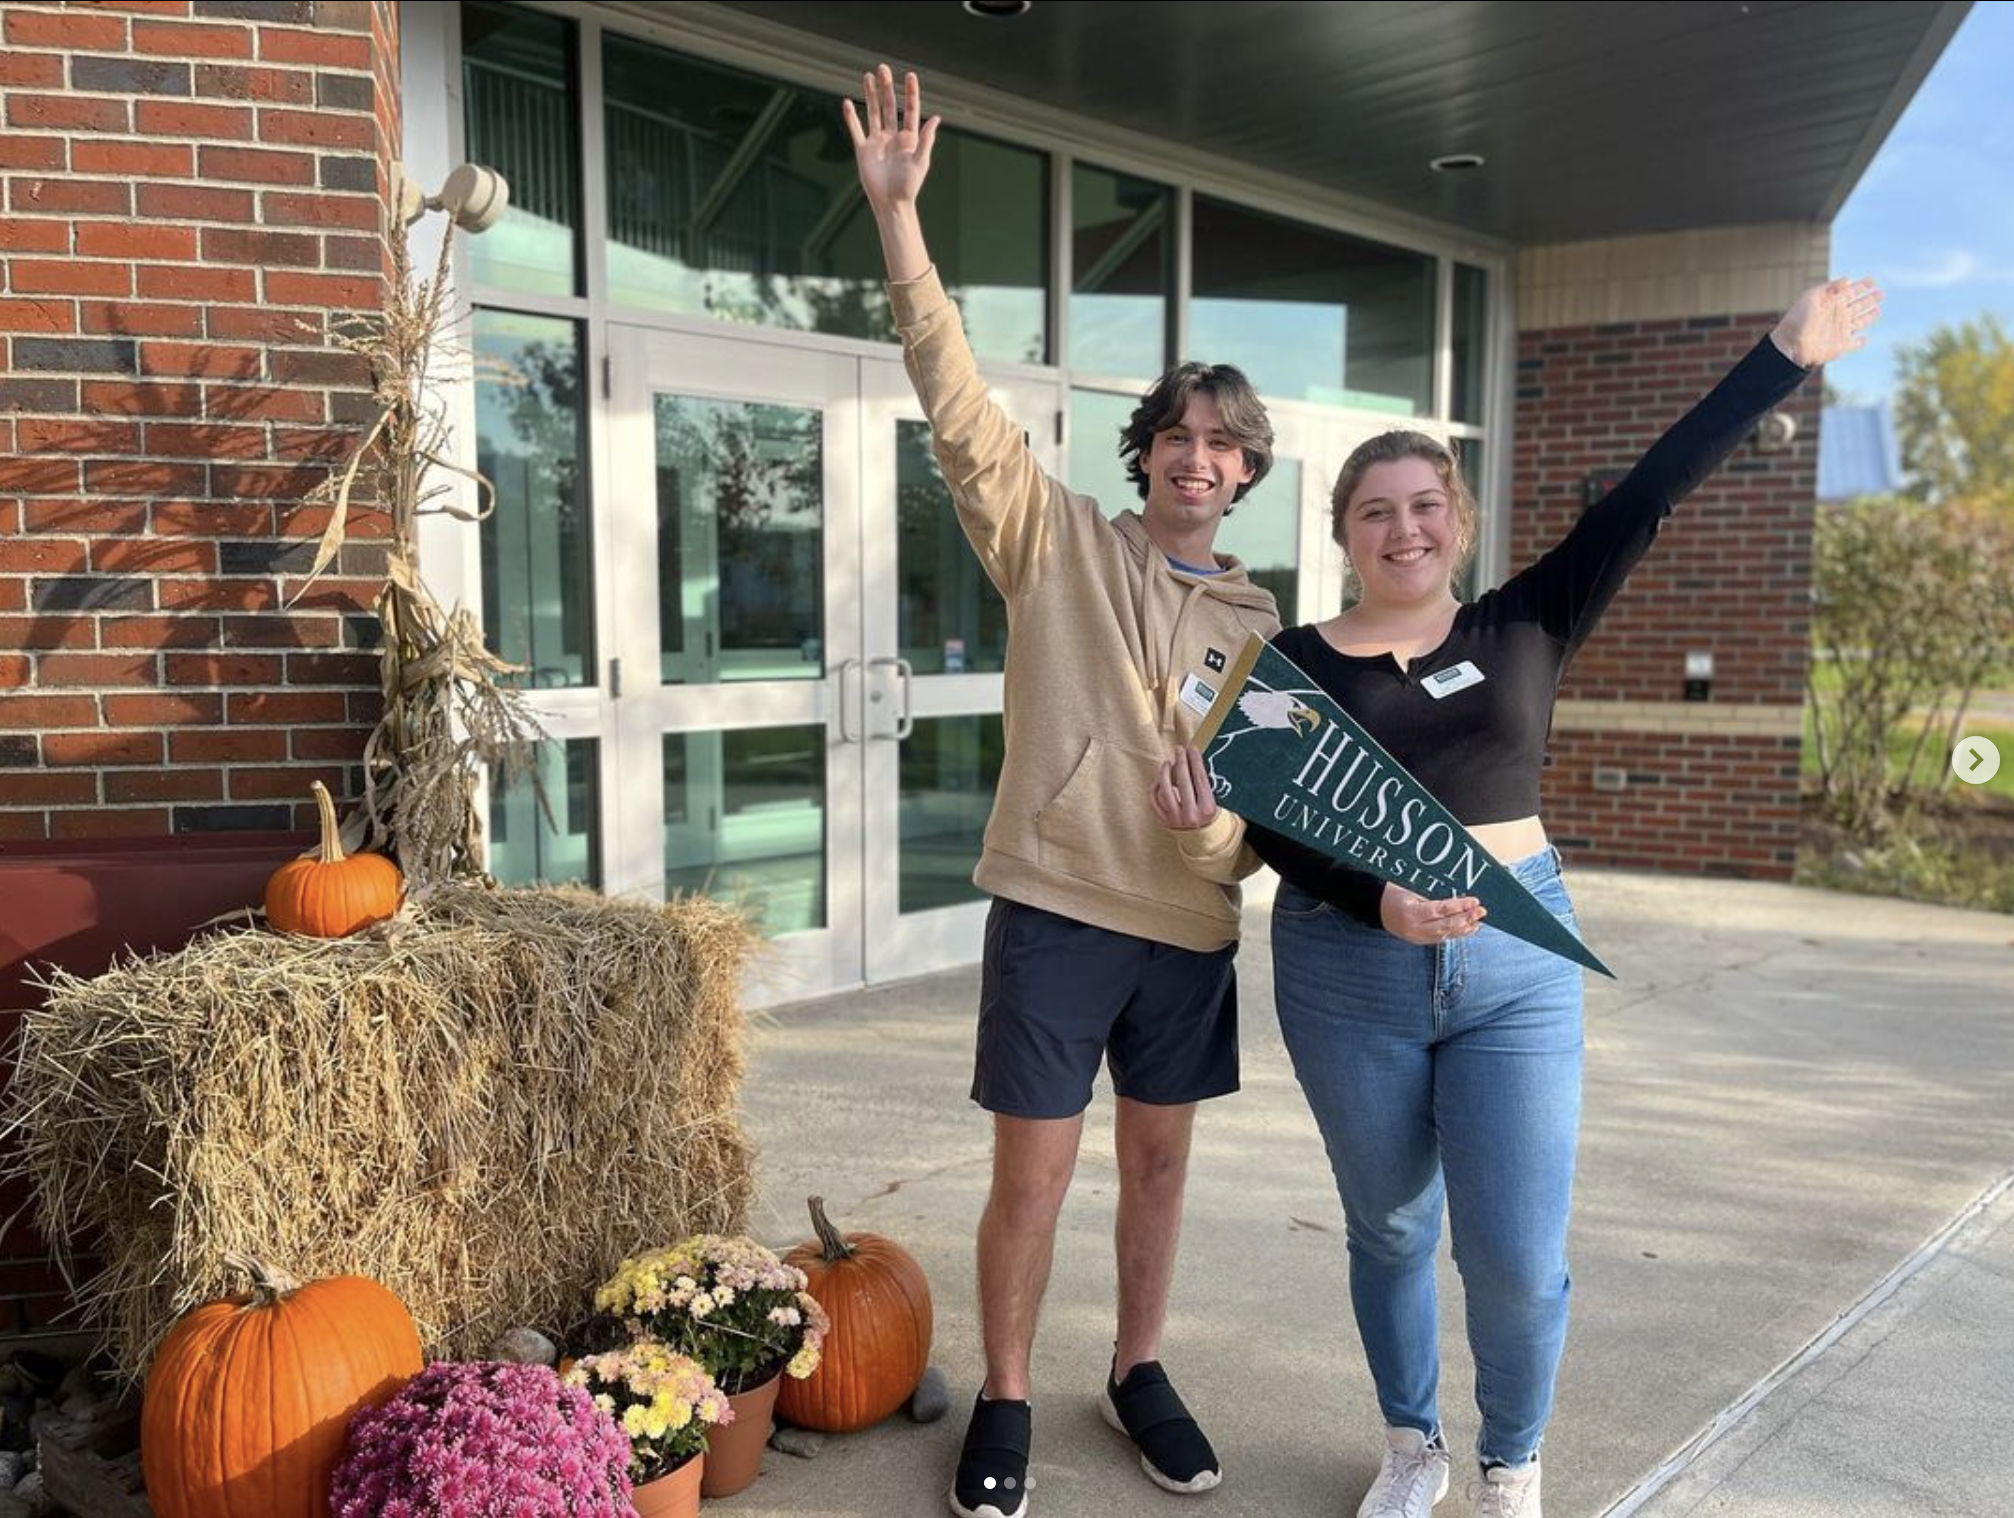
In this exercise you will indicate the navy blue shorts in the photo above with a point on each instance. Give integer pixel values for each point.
(1056, 995)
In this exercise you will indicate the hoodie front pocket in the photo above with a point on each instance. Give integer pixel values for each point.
(1101, 826)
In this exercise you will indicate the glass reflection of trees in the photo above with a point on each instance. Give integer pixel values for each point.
(949, 618)
(735, 197)
(740, 540)
(536, 567)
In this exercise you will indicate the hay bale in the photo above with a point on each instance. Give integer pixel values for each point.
(485, 1103)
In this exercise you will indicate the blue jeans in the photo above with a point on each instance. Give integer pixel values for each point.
(1444, 1075)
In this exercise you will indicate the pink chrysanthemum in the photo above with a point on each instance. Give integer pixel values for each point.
(484, 1441)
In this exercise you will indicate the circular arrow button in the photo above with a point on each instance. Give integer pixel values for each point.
(1975, 760)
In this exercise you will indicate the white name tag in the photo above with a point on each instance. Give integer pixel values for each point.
(1445, 682)
(1197, 695)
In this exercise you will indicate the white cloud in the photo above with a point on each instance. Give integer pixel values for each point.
(1955, 266)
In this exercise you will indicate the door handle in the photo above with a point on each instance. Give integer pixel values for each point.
(906, 723)
(846, 733)
(905, 719)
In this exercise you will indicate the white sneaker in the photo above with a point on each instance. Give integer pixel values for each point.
(1413, 1477)
(1506, 1493)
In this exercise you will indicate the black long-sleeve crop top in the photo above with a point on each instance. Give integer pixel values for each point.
(1480, 748)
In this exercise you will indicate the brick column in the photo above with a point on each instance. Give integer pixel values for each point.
(194, 200)
(1641, 776)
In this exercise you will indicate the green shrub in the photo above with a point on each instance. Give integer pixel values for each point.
(1913, 608)
(1928, 867)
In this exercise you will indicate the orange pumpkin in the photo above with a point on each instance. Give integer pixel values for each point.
(249, 1399)
(327, 893)
(879, 1346)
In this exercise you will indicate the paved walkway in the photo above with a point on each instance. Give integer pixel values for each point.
(1789, 1092)
(1907, 1410)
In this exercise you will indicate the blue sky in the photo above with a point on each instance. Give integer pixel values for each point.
(1932, 219)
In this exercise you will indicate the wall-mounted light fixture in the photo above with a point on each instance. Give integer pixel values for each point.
(474, 197)
(1775, 432)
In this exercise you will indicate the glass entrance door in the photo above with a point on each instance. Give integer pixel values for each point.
(808, 691)
(936, 635)
(735, 520)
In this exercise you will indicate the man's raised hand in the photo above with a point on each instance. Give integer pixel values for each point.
(892, 147)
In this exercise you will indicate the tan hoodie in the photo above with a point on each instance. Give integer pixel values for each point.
(1102, 632)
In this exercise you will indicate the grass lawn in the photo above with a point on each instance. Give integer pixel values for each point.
(1900, 745)
(1825, 677)
(1959, 850)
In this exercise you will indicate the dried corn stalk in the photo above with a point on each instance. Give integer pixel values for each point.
(448, 708)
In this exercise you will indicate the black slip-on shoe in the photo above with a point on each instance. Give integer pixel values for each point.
(992, 1479)
(1147, 1410)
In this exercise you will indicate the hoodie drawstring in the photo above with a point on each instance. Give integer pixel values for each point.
(1168, 688)
(1158, 648)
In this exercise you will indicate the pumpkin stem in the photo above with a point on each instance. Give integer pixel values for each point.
(269, 1282)
(332, 835)
(835, 1247)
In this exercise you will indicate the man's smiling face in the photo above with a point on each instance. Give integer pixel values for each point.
(1194, 469)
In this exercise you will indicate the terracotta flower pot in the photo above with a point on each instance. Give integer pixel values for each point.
(734, 1450)
(673, 1496)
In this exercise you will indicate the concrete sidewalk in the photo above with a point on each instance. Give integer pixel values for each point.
(1908, 1410)
(1788, 1093)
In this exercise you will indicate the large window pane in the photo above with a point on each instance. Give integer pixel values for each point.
(986, 216)
(1473, 464)
(538, 594)
(1264, 530)
(1470, 343)
(1122, 257)
(519, 109)
(744, 821)
(735, 197)
(741, 541)
(526, 845)
(1311, 314)
(1096, 419)
(949, 618)
(950, 766)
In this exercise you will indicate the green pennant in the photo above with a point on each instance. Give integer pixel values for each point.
(1280, 752)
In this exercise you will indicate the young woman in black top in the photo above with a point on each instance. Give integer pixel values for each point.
(1443, 1065)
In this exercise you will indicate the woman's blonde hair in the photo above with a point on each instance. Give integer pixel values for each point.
(1389, 448)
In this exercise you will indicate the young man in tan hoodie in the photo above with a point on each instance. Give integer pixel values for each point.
(1110, 935)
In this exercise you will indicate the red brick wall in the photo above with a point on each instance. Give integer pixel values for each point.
(1708, 804)
(193, 205)
(193, 208)
(1730, 574)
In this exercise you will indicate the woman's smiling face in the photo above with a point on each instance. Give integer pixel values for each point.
(1400, 532)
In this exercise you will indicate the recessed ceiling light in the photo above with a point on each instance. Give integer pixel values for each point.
(998, 10)
(1455, 163)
